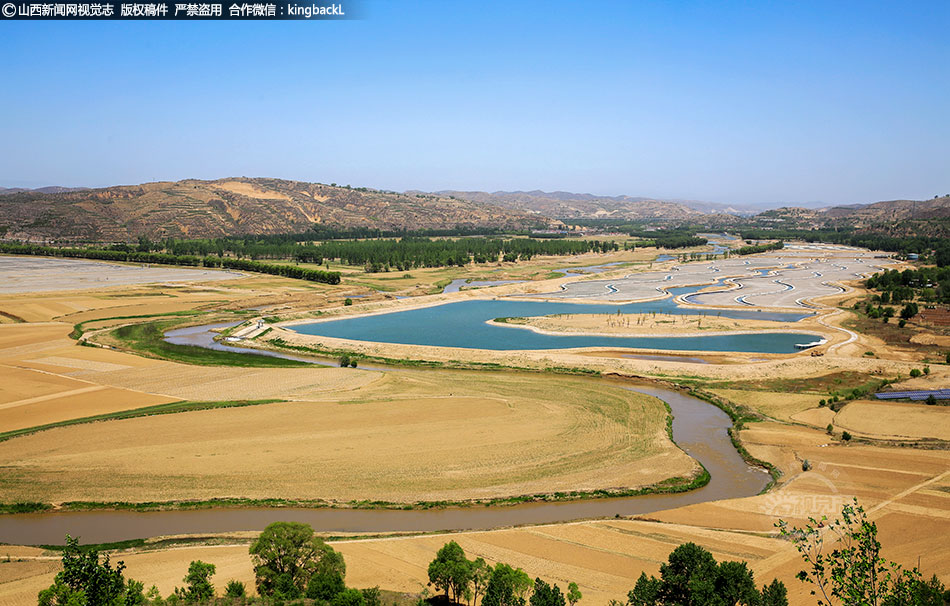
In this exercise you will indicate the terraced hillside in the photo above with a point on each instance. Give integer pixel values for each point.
(209, 209)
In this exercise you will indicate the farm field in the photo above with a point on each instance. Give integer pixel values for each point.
(906, 491)
(400, 437)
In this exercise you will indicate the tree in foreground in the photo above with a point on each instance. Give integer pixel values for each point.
(692, 577)
(287, 555)
(481, 574)
(507, 586)
(574, 594)
(546, 595)
(235, 589)
(845, 564)
(198, 587)
(450, 571)
(87, 581)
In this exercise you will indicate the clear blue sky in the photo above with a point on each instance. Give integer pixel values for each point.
(744, 102)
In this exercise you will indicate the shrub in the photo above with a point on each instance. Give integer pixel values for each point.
(846, 436)
(926, 370)
(902, 323)
(235, 589)
(909, 311)
(348, 597)
(806, 465)
(352, 362)
(915, 372)
(931, 400)
(821, 402)
(348, 301)
(372, 597)
(344, 360)
(830, 429)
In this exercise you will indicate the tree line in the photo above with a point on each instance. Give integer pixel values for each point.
(378, 254)
(759, 248)
(292, 563)
(930, 248)
(287, 271)
(931, 284)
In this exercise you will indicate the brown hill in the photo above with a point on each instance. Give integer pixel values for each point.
(208, 209)
(893, 210)
(566, 205)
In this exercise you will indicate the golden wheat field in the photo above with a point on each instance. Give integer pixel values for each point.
(895, 419)
(407, 436)
(778, 405)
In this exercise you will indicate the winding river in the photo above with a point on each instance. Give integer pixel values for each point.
(699, 428)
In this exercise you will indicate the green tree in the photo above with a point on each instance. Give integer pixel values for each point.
(198, 587)
(134, 593)
(546, 595)
(691, 577)
(845, 566)
(450, 571)
(287, 554)
(480, 575)
(574, 594)
(506, 587)
(235, 589)
(909, 311)
(372, 597)
(774, 594)
(325, 585)
(87, 581)
(348, 597)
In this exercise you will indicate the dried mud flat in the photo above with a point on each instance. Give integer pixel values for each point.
(41, 274)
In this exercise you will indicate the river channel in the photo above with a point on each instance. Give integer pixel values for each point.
(699, 428)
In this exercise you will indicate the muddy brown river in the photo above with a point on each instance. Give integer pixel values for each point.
(699, 428)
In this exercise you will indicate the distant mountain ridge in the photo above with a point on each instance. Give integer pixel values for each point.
(235, 206)
(51, 189)
(250, 206)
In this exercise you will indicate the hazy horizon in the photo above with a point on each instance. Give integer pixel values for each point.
(762, 105)
(811, 204)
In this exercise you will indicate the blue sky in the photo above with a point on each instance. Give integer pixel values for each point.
(741, 102)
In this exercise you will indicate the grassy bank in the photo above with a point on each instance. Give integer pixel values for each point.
(147, 411)
(148, 339)
(668, 486)
(80, 329)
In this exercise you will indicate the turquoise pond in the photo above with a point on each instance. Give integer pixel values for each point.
(463, 324)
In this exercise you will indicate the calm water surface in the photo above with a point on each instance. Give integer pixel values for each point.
(463, 324)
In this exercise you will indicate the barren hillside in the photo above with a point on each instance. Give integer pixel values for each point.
(208, 209)
(566, 205)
